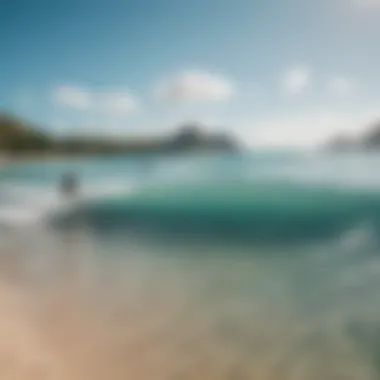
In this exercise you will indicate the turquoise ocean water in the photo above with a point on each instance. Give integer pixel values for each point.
(260, 266)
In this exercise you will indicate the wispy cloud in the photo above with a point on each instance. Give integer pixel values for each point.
(118, 104)
(194, 86)
(71, 96)
(296, 80)
(101, 112)
(110, 103)
(341, 86)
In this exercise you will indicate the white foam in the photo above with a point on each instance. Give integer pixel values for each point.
(26, 205)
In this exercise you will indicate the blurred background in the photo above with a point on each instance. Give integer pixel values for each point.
(189, 190)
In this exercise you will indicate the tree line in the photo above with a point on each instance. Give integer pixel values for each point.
(19, 137)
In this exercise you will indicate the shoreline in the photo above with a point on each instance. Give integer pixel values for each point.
(8, 161)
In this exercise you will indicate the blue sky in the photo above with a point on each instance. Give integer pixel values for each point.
(271, 71)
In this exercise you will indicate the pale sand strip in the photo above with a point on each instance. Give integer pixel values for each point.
(156, 327)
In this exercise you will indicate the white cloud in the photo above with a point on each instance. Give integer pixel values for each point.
(296, 80)
(118, 104)
(109, 103)
(195, 86)
(73, 97)
(341, 86)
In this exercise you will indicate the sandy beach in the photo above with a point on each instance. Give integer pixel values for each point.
(74, 319)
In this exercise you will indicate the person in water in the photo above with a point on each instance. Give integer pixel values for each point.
(69, 185)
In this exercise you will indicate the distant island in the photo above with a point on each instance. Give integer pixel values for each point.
(369, 140)
(18, 138)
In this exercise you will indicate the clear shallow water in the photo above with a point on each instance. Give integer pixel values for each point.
(264, 266)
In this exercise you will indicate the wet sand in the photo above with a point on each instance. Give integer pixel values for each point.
(71, 315)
